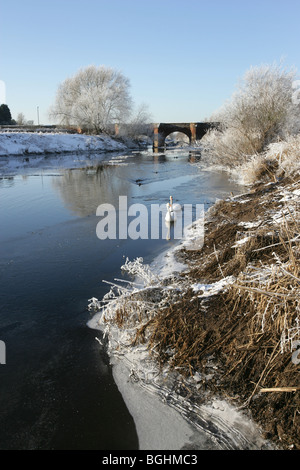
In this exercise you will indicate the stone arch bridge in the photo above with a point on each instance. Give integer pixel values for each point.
(159, 132)
(194, 131)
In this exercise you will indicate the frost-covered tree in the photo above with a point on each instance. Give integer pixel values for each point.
(94, 98)
(139, 123)
(260, 111)
(21, 119)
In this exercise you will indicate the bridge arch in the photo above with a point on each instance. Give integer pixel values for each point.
(176, 137)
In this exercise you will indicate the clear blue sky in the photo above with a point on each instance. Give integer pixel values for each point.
(183, 58)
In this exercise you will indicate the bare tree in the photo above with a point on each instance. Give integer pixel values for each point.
(139, 124)
(94, 98)
(21, 119)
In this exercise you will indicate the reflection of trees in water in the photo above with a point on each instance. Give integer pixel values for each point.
(82, 190)
(7, 181)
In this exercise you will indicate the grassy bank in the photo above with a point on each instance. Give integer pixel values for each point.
(248, 328)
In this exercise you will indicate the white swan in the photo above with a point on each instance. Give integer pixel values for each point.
(171, 211)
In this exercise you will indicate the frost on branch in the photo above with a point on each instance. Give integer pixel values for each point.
(129, 305)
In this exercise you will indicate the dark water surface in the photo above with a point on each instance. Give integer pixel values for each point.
(56, 388)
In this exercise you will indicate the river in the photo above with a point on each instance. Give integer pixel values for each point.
(56, 387)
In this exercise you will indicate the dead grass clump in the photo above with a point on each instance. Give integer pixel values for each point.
(281, 159)
(180, 335)
(177, 335)
(237, 249)
(268, 293)
(287, 154)
(259, 168)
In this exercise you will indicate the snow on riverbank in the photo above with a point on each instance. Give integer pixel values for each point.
(33, 143)
(32, 151)
(165, 418)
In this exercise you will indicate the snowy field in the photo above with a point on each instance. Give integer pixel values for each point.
(32, 143)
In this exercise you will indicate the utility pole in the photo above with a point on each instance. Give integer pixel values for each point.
(38, 115)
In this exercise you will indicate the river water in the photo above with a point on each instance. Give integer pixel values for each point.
(56, 387)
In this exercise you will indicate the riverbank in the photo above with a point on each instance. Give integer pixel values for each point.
(34, 151)
(37, 143)
(218, 334)
(250, 328)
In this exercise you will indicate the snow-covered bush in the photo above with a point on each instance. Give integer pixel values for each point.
(260, 111)
(286, 153)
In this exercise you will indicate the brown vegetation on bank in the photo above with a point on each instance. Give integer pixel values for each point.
(248, 328)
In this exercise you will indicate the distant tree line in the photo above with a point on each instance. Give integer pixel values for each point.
(5, 115)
